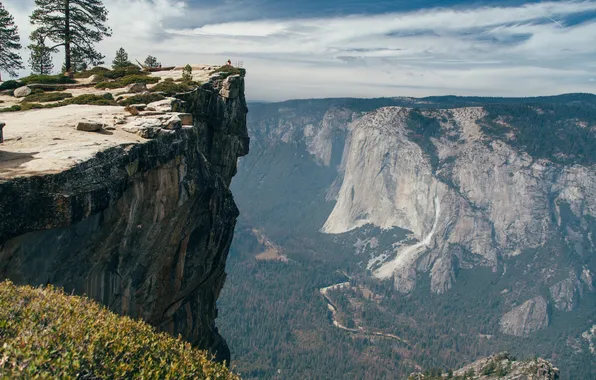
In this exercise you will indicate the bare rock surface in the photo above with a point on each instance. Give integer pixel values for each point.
(141, 222)
(526, 318)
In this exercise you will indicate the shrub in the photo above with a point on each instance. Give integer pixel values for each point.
(48, 334)
(13, 108)
(169, 87)
(47, 79)
(141, 98)
(125, 81)
(230, 70)
(92, 99)
(11, 85)
(94, 71)
(121, 72)
(46, 96)
(187, 73)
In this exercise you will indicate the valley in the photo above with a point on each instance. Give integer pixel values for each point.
(447, 215)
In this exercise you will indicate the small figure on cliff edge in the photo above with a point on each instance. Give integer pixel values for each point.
(229, 62)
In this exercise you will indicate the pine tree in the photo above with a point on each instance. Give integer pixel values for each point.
(74, 24)
(187, 73)
(151, 62)
(40, 60)
(121, 59)
(10, 60)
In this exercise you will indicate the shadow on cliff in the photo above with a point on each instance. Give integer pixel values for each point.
(10, 160)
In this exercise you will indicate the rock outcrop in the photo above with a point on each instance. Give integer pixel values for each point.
(143, 228)
(526, 318)
(501, 366)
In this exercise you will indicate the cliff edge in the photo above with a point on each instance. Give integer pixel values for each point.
(138, 214)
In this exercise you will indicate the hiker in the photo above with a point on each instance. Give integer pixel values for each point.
(229, 63)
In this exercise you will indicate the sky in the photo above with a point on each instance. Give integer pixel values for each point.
(363, 48)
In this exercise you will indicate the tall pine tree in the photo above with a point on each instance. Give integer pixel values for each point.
(10, 44)
(75, 25)
(121, 59)
(151, 62)
(41, 57)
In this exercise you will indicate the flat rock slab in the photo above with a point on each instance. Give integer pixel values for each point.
(45, 141)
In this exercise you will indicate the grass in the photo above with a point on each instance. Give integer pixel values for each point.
(125, 81)
(169, 87)
(141, 99)
(48, 334)
(99, 71)
(230, 70)
(90, 99)
(47, 79)
(43, 97)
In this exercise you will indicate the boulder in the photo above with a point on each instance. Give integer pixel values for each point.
(148, 132)
(89, 126)
(186, 118)
(160, 106)
(140, 107)
(174, 123)
(21, 92)
(136, 88)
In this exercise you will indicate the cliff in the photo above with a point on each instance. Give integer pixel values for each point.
(140, 225)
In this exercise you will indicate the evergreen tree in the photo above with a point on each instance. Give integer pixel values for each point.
(151, 62)
(10, 60)
(187, 73)
(74, 24)
(121, 59)
(40, 60)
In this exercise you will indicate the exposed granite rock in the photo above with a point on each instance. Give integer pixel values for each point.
(143, 228)
(501, 366)
(526, 318)
(566, 293)
(136, 88)
(21, 92)
(89, 126)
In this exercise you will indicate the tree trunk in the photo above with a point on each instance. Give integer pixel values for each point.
(67, 62)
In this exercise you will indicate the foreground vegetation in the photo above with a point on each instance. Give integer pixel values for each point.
(48, 334)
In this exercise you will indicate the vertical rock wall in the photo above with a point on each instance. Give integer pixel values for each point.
(143, 228)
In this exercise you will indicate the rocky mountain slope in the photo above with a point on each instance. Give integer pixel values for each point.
(500, 366)
(142, 225)
(483, 202)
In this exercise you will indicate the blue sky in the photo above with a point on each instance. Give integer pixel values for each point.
(329, 48)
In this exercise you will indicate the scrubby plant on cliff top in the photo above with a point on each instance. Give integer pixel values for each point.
(48, 334)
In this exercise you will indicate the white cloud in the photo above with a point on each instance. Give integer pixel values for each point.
(515, 51)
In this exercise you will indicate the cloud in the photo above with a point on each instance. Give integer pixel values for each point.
(531, 49)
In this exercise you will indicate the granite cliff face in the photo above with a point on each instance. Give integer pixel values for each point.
(143, 228)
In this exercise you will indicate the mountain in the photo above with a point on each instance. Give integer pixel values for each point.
(410, 233)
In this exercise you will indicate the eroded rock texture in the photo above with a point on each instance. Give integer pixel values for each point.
(142, 228)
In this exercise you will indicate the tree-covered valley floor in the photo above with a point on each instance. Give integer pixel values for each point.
(278, 324)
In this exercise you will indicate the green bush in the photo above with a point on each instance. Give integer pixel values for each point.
(187, 73)
(48, 334)
(141, 98)
(169, 87)
(47, 79)
(94, 71)
(46, 96)
(13, 108)
(11, 85)
(121, 72)
(230, 70)
(125, 81)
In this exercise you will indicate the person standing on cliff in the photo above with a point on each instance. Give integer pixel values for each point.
(229, 62)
